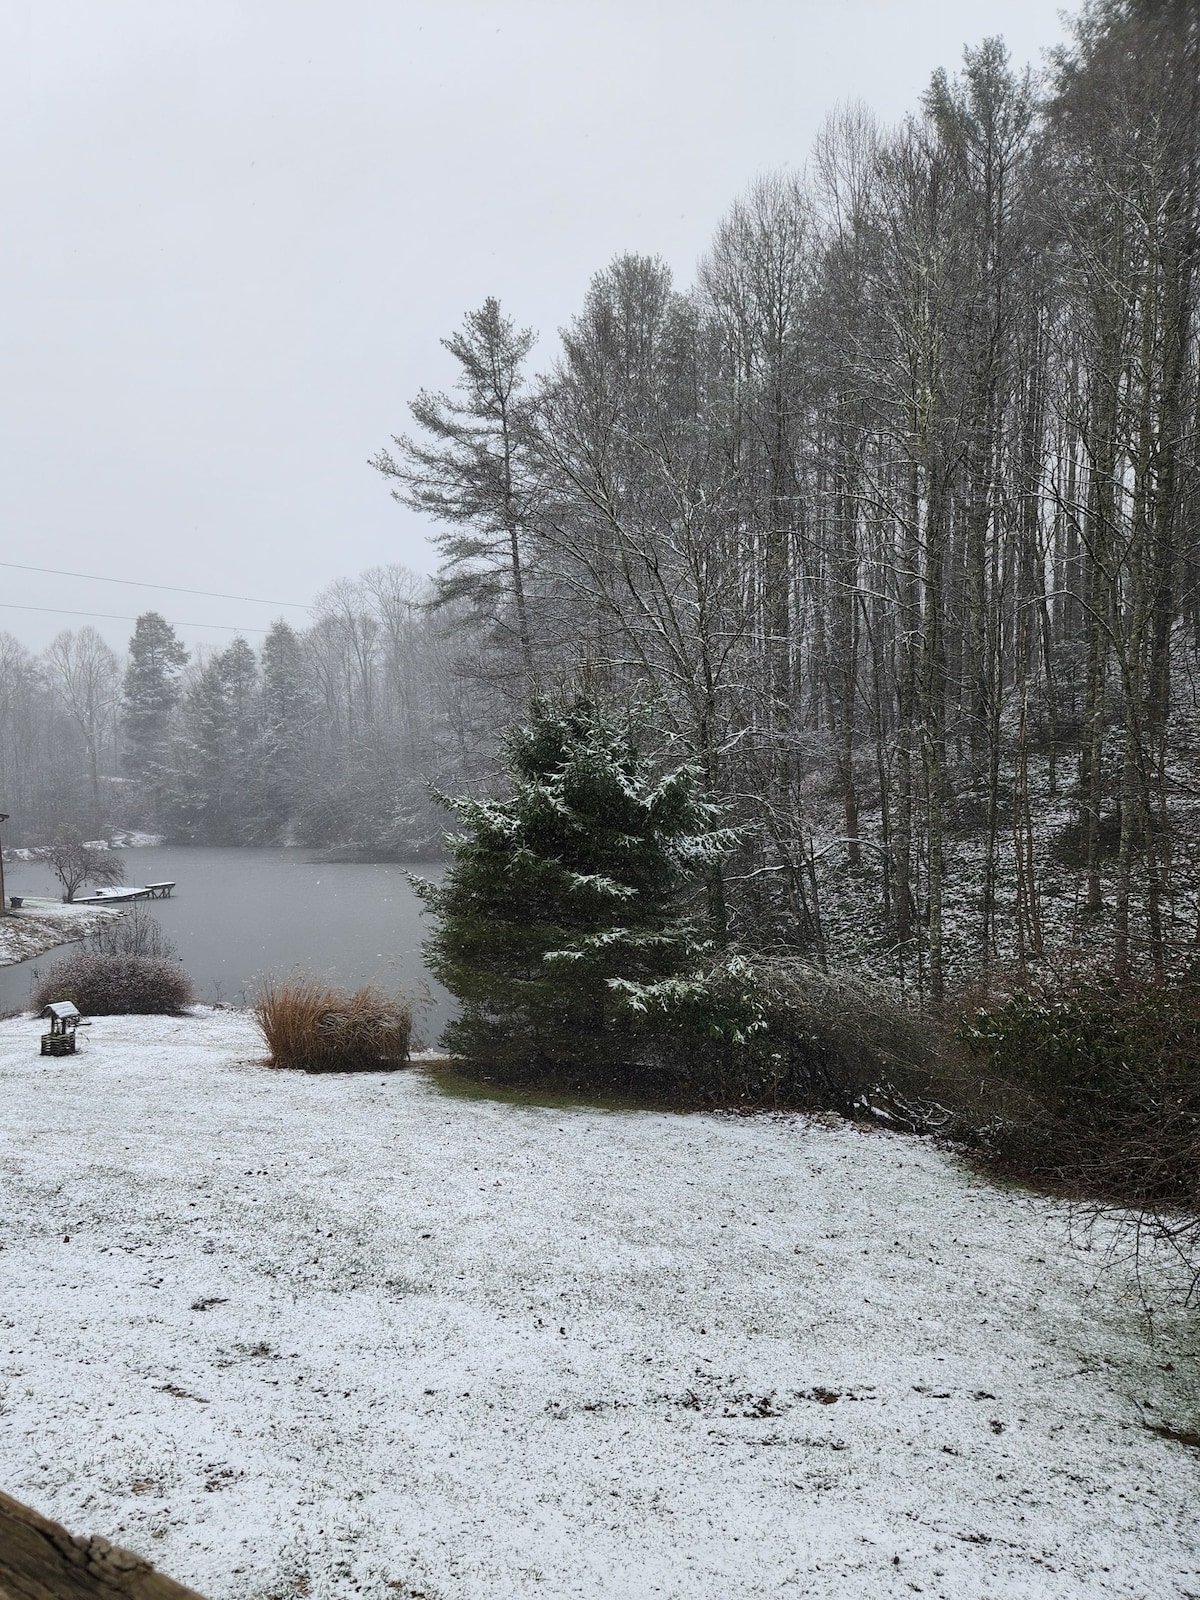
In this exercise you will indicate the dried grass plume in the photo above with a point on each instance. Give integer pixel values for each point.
(311, 1027)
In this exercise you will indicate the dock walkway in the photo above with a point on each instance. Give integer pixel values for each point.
(145, 891)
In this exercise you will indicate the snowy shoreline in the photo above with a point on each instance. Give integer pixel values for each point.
(345, 1336)
(42, 924)
(124, 839)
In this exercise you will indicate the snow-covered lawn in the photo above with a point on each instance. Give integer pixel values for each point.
(41, 924)
(311, 1336)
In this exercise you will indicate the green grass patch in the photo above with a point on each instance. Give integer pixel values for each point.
(450, 1081)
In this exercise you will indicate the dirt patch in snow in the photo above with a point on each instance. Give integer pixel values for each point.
(292, 1335)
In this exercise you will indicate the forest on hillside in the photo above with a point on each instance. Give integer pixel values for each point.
(889, 523)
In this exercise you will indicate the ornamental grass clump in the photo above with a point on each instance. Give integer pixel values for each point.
(107, 985)
(312, 1027)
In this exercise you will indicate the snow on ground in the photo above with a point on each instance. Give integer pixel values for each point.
(41, 924)
(339, 1336)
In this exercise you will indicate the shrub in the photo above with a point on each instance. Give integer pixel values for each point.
(782, 1033)
(315, 1028)
(132, 933)
(842, 1044)
(1093, 1087)
(756, 1033)
(114, 985)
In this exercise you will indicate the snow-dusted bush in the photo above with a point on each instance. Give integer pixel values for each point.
(1093, 1088)
(310, 1026)
(110, 985)
(842, 1044)
(763, 1031)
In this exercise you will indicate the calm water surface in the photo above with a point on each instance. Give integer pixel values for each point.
(238, 916)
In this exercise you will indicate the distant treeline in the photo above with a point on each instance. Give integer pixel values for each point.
(328, 736)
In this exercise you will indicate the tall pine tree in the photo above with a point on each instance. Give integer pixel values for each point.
(471, 472)
(156, 657)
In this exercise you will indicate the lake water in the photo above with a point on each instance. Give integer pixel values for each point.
(238, 916)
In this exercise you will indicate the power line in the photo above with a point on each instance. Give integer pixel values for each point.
(113, 616)
(136, 583)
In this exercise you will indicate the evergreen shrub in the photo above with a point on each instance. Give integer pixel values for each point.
(104, 985)
(1093, 1087)
(780, 1032)
(315, 1028)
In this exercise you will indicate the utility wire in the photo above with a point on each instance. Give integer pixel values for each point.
(113, 616)
(135, 583)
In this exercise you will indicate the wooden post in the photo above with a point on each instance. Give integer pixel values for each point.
(3, 901)
(40, 1560)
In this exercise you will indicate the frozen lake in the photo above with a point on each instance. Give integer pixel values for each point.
(238, 916)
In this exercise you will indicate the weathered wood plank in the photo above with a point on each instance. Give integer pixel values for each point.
(40, 1560)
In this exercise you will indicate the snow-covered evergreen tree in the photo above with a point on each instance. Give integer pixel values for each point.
(589, 875)
(214, 791)
(151, 692)
(288, 707)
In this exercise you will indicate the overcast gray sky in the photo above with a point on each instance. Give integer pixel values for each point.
(235, 230)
